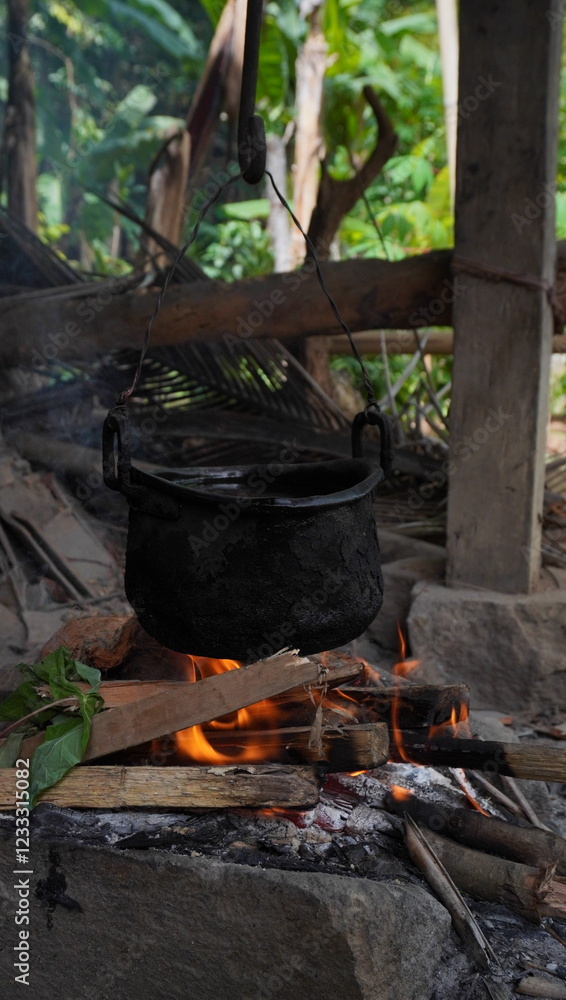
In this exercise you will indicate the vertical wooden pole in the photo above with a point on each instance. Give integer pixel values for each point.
(506, 174)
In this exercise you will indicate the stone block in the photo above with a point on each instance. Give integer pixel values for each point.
(510, 649)
(154, 925)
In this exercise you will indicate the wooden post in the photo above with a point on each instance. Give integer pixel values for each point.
(506, 173)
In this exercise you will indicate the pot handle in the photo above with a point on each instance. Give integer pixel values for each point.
(373, 415)
(116, 463)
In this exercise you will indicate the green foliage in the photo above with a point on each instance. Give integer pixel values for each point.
(233, 249)
(415, 384)
(67, 728)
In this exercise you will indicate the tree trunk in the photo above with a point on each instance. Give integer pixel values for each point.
(310, 69)
(278, 222)
(19, 161)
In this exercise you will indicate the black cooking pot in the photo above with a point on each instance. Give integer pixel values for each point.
(240, 563)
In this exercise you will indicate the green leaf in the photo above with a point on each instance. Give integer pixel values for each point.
(214, 9)
(423, 23)
(179, 44)
(62, 748)
(89, 674)
(273, 69)
(255, 208)
(20, 702)
(422, 176)
(10, 749)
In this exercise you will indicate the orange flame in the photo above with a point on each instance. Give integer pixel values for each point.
(401, 669)
(194, 743)
(457, 725)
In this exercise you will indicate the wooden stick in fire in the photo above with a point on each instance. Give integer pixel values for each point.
(207, 699)
(520, 760)
(244, 785)
(527, 844)
(533, 892)
(346, 748)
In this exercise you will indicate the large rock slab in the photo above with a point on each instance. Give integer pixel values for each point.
(158, 925)
(510, 649)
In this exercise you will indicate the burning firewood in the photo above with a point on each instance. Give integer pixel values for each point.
(416, 705)
(190, 705)
(519, 760)
(348, 748)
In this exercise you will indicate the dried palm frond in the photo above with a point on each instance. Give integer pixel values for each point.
(257, 377)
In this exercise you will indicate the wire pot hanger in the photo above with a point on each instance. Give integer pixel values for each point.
(252, 153)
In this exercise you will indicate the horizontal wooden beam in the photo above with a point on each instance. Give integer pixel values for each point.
(251, 785)
(371, 294)
(403, 342)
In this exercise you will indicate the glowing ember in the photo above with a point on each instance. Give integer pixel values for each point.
(400, 794)
(194, 743)
(460, 776)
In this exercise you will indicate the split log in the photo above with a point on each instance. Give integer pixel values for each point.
(531, 892)
(348, 748)
(211, 698)
(526, 844)
(520, 760)
(416, 706)
(248, 785)
(371, 294)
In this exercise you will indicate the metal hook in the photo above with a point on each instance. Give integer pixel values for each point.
(251, 129)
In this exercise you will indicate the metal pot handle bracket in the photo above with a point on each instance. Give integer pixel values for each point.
(374, 416)
(116, 461)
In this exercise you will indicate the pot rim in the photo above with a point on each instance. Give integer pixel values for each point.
(367, 472)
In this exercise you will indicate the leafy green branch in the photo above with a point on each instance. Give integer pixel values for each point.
(63, 713)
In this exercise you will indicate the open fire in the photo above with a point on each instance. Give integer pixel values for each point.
(259, 732)
(256, 733)
(195, 744)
